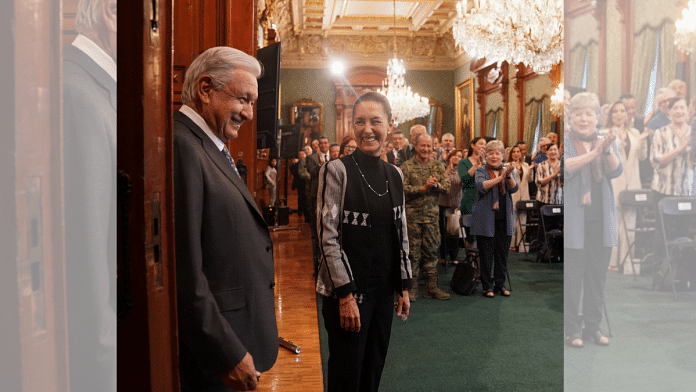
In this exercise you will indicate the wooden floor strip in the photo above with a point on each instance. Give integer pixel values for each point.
(296, 311)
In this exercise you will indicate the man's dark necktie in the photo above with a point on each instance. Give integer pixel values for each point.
(227, 155)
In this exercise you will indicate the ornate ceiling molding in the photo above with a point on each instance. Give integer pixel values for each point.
(363, 44)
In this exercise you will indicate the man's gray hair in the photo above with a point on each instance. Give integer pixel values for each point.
(448, 134)
(89, 15)
(217, 62)
(419, 136)
(496, 145)
(584, 100)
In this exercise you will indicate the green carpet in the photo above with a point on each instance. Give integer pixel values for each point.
(653, 347)
(480, 344)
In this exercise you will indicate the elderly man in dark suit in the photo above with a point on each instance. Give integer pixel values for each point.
(224, 252)
(89, 124)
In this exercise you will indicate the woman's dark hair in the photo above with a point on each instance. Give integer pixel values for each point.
(674, 100)
(509, 158)
(610, 122)
(375, 97)
(452, 154)
(344, 143)
(473, 142)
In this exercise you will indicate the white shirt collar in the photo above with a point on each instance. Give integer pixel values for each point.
(198, 120)
(96, 53)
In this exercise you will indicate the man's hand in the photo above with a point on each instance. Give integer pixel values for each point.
(244, 376)
(349, 312)
(432, 180)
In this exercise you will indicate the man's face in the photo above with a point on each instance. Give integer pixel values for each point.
(302, 154)
(315, 145)
(398, 140)
(448, 142)
(324, 145)
(523, 149)
(225, 110)
(679, 89)
(414, 135)
(630, 105)
(553, 138)
(424, 148)
(544, 144)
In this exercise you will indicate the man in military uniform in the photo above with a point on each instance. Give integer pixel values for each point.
(424, 180)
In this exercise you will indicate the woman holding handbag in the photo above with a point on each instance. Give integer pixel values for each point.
(449, 201)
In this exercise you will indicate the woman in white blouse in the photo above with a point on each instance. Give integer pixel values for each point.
(548, 178)
(632, 148)
(525, 174)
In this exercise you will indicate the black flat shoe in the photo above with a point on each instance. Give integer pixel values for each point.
(502, 291)
(595, 337)
(574, 341)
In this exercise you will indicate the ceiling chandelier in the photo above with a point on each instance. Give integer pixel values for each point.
(405, 104)
(685, 36)
(529, 32)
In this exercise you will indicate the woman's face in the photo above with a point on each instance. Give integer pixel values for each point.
(457, 157)
(494, 157)
(480, 146)
(679, 112)
(583, 120)
(350, 147)
(618, 115)
(516, 154)
(370, 125)
(552, 152)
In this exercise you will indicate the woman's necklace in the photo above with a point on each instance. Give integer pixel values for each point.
(368, 184)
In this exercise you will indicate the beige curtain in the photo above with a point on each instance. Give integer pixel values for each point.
(546, 115)
(592, 67)
(669, 52)
(577, 62)
(490, 122)
(643, 59)
(531, 116)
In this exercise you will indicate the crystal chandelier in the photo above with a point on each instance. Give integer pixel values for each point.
(529, 31)
(405, 104)
(557, 100)
(685, 36)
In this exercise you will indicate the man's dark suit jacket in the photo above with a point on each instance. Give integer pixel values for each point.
(89, 123)
(405, 153)
(313, 165)
(224, 264)
(391, 156)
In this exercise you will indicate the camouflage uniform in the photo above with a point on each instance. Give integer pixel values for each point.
(422, 213)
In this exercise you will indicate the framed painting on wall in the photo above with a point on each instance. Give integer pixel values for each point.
(464, 112)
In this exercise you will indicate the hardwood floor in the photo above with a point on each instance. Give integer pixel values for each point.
(296, 311)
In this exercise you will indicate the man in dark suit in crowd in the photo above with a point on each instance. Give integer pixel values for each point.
(313, 163)
(224, 251)
(89, 124)
(398, 141)
(409, 151)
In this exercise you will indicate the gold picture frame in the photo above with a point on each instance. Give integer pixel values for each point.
(464, 112)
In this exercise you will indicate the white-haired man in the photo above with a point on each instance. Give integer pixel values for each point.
(89, 123)
(224, 251)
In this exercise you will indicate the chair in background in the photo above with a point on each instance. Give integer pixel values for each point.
(551, 217)
(528, 229)
(675, 214)
(645, 225)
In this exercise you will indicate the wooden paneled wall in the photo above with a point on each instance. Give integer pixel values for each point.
(203, 24)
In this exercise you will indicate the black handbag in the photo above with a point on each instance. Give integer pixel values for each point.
(465, 277)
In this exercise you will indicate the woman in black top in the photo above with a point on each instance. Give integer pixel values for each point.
(364, 251)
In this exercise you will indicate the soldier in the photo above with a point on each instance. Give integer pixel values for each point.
(424, 180)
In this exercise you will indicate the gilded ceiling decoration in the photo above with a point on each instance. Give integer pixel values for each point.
(361, 32)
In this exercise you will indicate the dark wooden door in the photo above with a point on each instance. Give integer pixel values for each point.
(147, 342)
